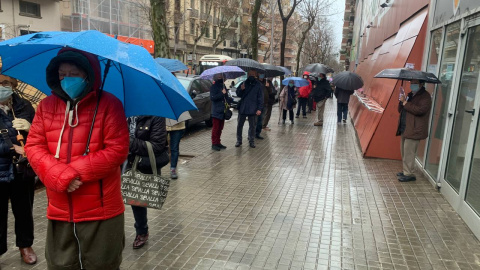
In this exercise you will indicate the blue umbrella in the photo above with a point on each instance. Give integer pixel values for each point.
(286, 70)
(144, 87)
(297, 81)
(229, 72)
(172, 65)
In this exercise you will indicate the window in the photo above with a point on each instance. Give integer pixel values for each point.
(192, 4)
(177, 5)
(214, 32)
(192, 27)
(177, 32)
(202, 7)
(29, 9)
(207, 32)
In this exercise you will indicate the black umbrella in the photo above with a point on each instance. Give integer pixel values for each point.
(318, 68)
(272, 71)
(406, 74)
(348, 80)
(246, 64)
(286, 70)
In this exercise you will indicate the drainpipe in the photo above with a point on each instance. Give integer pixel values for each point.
(359, 34)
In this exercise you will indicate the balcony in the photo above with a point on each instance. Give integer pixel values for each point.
(194, 13)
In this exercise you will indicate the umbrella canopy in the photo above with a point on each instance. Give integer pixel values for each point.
(143, 86)
(348, 80)
(286, 70)
(246, 64)
(407, 74)
(172, 65)
(297, 81)
(272, 71)
(318, 68)
(229, 72)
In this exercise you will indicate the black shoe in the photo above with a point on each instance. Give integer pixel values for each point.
(400, 174)
(222, 146)
(216, 147)
(259, 137)
(238, 144)
(252, 145)
(304, 116)
(296, 116)
(344, 121)
(293, 122)
(407, 178)
(283, 122)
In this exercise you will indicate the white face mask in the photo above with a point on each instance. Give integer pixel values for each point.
(5, 93)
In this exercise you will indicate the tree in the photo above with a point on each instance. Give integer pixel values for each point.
(284, 26)
(158, 19)
(319, 44)
(309, 11)
(224, 19)
(203, 24)
(254, 29)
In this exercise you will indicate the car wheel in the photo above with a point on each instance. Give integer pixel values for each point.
(209, 122)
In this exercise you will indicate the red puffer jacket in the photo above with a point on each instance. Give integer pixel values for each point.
(304, 91)
(99, 197)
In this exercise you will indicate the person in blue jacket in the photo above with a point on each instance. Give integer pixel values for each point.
(250, 106)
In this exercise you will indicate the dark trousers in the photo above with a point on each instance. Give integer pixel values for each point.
(175, 137)
(252, 120)
(20, 192)
(217, 130)
(268, 114)
(140, 215)
(259, 127)
(290, 114)
(311, 106)
(302, 104)
(342, 109)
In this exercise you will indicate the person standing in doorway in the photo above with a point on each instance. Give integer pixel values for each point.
(414, 110)
(250, 106)
(320, 94)
(343, 97)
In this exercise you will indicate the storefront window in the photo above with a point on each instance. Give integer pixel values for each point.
(433, 58)
(442, 94)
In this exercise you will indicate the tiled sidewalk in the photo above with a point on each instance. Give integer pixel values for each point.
(305, 198)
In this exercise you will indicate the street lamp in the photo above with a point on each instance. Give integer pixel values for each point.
(176, 32)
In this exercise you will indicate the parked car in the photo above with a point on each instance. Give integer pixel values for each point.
(199, 91)
(233, 94)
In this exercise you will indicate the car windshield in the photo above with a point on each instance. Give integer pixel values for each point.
(238, 84)
(184, 82)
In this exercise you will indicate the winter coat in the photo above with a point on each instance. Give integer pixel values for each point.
(414, 116)
(153, 130)
(343, 96)
(24, 110)
(218, 101)
(266, 94)
(284, 99)
(99, 197)
(304, 91)
(322, 90)
(251, 98)
(272, 93)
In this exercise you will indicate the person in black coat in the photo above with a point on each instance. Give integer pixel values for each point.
(250, 106)
(320, 93)
(218, 96)
(272, 93)
(16, 114)
(142, 129)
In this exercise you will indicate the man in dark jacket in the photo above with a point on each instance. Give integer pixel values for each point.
(218, 96)
(320, 94)
(260, 118)
(343, 97)
(272, 93)
(250, 106)
(414, 112)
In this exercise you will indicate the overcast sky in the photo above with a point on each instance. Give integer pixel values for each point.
(336, 20)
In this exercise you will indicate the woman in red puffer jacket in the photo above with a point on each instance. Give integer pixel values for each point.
(85, 205)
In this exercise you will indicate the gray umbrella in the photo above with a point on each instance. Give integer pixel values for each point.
(272, 71)
(246, 64)
(406, 74)
(348, 80)
(318, 68)
(286, 70)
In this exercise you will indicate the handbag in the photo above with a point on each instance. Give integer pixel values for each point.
(21, 163)
(227, 111)
(145, 190)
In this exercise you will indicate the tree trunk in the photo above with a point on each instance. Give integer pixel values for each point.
(302, 40)
(159, 28)
(254, 31)
(282, 43)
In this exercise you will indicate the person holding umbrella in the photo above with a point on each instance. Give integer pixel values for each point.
(288, 101)
(414, 110)
(218, 96)
(345, 83)
(78, 158)
(320, 94)
(16, 114)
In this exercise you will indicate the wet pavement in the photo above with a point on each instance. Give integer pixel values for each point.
(305, 198)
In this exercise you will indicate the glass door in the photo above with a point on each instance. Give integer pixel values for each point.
(465, 112)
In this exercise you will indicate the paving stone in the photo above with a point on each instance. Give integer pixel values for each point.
(305, 198)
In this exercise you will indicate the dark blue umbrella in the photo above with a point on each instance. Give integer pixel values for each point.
(172, 65)
(286, 70)
(144, 87)
(348, 80)
(229, 72)
(297, 81)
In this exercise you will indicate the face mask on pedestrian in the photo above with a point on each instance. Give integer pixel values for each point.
(5, 93)
(251, 78)
(261, 76)
(415, 87)
(73, 86)
(290, 84)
